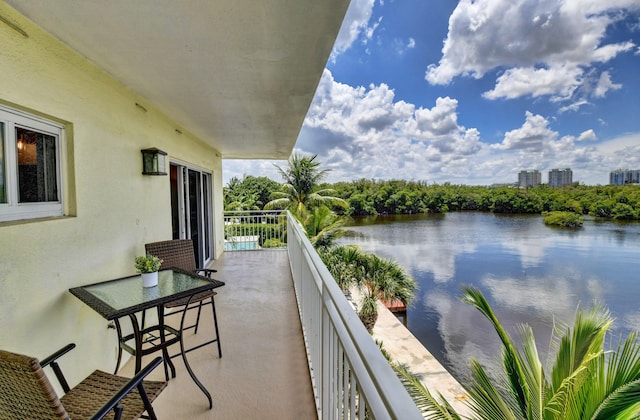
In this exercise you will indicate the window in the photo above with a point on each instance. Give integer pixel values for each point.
(30, 166)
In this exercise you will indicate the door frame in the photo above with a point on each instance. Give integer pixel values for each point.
(182, 212)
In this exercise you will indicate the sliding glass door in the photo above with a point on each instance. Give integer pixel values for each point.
(191, 209)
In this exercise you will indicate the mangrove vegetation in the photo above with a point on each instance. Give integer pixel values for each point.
(366, 197)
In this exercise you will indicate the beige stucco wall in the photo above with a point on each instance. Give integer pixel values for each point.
(113, 208)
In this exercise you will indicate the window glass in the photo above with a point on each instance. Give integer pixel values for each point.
(32, 152)
(37, 174)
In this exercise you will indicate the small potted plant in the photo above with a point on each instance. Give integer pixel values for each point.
(148, 267)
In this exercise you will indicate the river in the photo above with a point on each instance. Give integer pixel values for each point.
(530, 273)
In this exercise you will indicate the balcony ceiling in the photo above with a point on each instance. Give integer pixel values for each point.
(240, 74)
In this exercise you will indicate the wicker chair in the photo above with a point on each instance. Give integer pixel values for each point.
(26, 393)
(178, 253)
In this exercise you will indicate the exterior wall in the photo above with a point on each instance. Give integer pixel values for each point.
(112, 208)
(560, 177)
(624, 176)
(529, 178)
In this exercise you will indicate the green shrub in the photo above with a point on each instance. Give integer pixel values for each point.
(274, 243)
(264, 231)
(564, 219)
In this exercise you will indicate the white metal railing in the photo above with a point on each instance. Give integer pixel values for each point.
(250, 230)
(351, 378)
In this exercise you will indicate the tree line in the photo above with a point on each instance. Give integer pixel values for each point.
(367, 197)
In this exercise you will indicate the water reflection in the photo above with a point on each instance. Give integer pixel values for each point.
(402, 236)
(529, 272)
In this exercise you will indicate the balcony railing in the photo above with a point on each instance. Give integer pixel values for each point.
(251, 230)
(351, 379)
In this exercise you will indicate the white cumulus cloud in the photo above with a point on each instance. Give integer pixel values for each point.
(532, 136)
(355, 23)
(545, 47)
(366, 132)
(604, 85)
(588, 135)
(560, 82)
(385, 138)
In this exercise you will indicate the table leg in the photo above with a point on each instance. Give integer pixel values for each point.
(119, 330)
(137, 336)
(184, 358)
(165, 351)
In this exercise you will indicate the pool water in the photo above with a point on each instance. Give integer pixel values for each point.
(241, 246)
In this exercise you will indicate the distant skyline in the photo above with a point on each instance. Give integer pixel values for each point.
(474, 92)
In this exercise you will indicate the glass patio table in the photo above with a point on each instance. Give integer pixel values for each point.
(125, 296)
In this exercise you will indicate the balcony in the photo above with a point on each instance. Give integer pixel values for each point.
(263, 372)
(292, 347)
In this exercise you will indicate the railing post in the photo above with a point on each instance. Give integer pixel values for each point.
(325, 368)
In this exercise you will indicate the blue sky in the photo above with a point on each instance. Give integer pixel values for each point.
(472, 92)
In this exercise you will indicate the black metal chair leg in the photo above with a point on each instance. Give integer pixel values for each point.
(186, 362)
(195, 330)
(147, 403)
(215, 324)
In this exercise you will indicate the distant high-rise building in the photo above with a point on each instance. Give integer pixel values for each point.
(529, 178)
(624, 176)
(560, 177)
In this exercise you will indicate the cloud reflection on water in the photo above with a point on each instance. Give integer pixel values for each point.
(466, 334)
(530, 273)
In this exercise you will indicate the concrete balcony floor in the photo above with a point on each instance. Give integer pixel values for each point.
(263, 372)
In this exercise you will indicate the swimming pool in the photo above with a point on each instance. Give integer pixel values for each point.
(241, 246)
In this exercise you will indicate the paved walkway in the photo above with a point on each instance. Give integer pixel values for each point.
(405, 349)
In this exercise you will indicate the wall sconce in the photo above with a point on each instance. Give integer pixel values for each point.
(153, 162)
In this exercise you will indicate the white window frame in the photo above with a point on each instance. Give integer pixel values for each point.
(13, 209)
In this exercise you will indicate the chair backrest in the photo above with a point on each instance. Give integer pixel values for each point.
(176, 253)
(25, 391)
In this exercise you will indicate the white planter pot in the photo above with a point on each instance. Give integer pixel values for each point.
(149, 279)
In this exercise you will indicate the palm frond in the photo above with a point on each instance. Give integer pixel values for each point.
(619, 392)
(580, 343)
(278, 204)
(511, 358)
(586, 382)
(485, 399)
(578, 368)
(432, 408)
(534, 373)
(327, 197)
(323, 227)
(564, 401)
(622, 403)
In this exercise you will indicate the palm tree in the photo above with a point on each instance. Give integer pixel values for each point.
(299, 191)
(382, 279)
(586, 382)
(237, 198)
(242, 202)
(323, 227)
(344, 264)
(375, 277)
